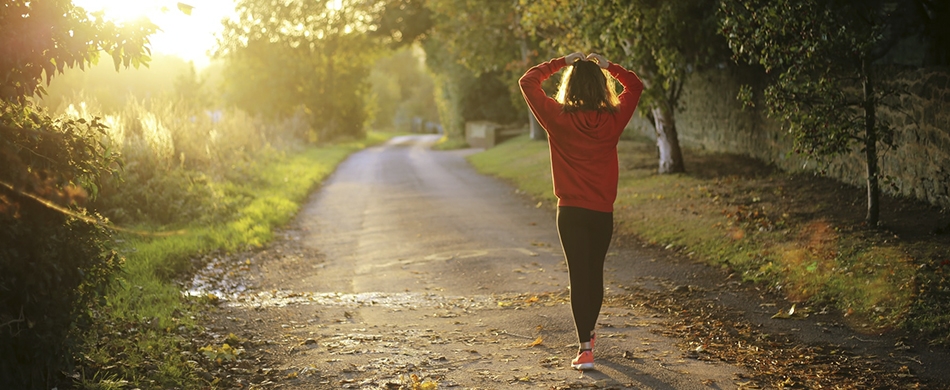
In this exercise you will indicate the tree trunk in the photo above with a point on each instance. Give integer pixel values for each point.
(667, 142)
(537, 133)
(870, 148)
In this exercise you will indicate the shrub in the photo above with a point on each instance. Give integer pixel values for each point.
(55, 260)
(54, 267)
(176, 156)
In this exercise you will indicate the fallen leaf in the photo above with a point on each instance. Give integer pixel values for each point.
(536, 342)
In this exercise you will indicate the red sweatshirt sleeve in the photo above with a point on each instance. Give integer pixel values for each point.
(632, 88)
(542, 105)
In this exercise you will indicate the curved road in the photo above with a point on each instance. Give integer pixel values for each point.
(408, 262)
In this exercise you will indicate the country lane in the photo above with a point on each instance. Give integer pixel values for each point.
(407, 262)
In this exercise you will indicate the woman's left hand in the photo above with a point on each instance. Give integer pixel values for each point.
(599, 59)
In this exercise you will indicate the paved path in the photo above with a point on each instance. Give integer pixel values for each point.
(408, 262)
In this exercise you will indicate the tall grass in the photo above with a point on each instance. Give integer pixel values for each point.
(178, 159)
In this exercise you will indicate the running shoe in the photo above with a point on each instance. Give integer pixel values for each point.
(583, 361)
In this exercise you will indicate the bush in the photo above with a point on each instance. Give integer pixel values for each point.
(54, 267)
(55, 259)
(176, 156)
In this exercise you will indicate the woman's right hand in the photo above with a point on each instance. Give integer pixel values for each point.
(574, 57)
(599, 59)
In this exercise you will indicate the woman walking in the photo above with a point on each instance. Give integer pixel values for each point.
(584, 125)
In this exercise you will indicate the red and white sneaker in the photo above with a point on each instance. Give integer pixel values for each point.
(583, 361)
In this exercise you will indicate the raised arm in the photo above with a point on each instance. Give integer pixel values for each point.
(539, 102)
(632, 85)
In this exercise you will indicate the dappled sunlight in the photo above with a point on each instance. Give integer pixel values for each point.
(877, 280)
(157, 136)
(808, 264)
(160, 226)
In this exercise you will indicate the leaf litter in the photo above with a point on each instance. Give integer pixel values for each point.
(706, 332)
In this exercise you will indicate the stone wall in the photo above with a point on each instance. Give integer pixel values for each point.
(712, 118)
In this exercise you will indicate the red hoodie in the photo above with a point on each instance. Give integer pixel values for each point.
(583, 143)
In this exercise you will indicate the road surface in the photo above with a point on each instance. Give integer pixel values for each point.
(408, 267)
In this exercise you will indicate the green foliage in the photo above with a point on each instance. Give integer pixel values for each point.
(145, 319)
(482, 35)
(59, 159)
(485, 100)
(53, 265)
(54, 261)
(402, 90)
(816, 50)
(54, 269)
(478, 51)
(282, 55)
(448, 99)
(402, 22)
(40, 39)
(171, 153)
(664, 42)
(826, 88)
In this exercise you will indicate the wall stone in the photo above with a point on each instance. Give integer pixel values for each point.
(712, 118)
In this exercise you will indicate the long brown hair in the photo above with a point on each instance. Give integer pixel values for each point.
(585, 86)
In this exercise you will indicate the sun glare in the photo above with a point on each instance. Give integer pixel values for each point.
(120, 10)
(187, 29)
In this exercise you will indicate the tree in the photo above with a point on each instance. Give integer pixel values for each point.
(487, 37)
(473, 47)
(402, 90)
(54, 259)
(663, 41)
(825, 85)
(317, 55)
(41, 39)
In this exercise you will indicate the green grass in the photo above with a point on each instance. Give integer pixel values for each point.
(446, 143)
(729, 221)
(143, 332)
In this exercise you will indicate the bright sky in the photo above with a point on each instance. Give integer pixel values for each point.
(190, 37)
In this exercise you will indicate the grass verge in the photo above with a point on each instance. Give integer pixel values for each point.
(144, 331)
(447, 143)
(801, 236)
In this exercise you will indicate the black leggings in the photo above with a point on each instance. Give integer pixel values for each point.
(585, 236)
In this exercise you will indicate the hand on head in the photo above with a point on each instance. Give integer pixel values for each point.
(574, 57)
(596, 58)
(599, 59)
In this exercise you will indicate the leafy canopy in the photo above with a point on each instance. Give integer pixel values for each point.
(663, 41)
(42, 38)
(314, 55)
(818, 53)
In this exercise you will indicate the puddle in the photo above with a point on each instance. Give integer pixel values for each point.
(280, 298)
(224, 279)
(219, 278)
